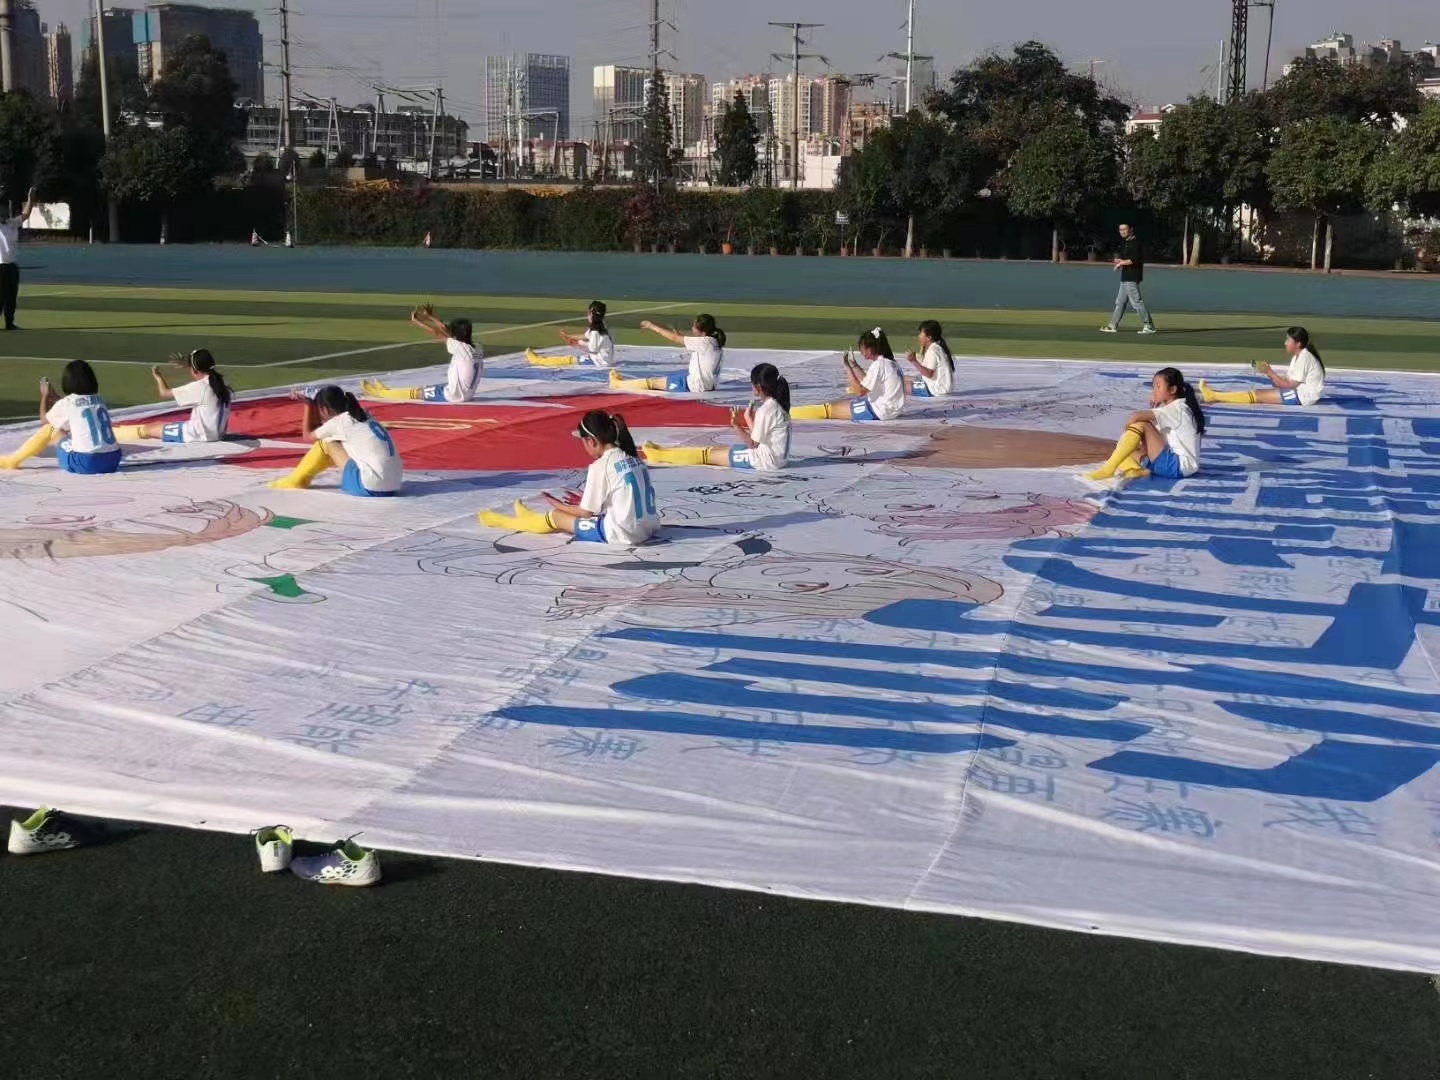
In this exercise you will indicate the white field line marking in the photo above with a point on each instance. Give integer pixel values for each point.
(483, 333)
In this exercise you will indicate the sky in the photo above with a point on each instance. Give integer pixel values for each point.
(1153, 51)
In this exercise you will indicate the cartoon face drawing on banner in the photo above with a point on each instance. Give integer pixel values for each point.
(914, 515)
(85, 526)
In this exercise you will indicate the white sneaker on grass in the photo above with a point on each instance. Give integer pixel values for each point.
(347, 863)
(275, 845)
(45, 830)
(1108, 330)
(1146, 330)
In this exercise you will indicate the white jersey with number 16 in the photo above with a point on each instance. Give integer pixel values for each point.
(617, 488)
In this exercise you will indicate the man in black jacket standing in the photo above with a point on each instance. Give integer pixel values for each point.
(1131, 264)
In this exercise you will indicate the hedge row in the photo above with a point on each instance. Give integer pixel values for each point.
(622, 219)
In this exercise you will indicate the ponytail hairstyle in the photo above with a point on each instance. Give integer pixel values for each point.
(706, 325)
(596, 316)
(608, 429)
(1301, 337)
(1176, 381)
(461, 330)
(876, 339)
(203, 363)
(79, 378)
(334, 400)
(768, 380)
(931, 329)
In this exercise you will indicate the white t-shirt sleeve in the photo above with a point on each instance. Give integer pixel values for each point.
(191, 393)
(592, 499)
(59, 415)
(332, 430)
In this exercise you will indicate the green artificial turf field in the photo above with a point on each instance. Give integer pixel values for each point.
(265, 338)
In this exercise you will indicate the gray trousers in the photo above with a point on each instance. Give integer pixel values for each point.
(1130, 294)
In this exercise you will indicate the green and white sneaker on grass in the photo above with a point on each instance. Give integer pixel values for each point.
(347, 863)
(45, 830)
(275, 845)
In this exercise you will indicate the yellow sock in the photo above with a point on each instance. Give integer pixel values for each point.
(1129, 443)
(374, 388)
(620, 382)
(129, 432)
(315, 461)
(1131, 469)
(813, 412)
(676, 455)
(548, 361)
(523, 520)
(1226, 397)
(33, 445)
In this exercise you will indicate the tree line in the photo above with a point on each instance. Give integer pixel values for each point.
(169, 140)
(1022, 134)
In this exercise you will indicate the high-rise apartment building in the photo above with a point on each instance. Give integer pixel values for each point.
(119, 27)
(619, 95)
(160, 29)
(756, 90)
(687, 108)
(60, 65)
(27, 50)
(527, 96)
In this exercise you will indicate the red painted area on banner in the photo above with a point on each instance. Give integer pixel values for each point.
(476, 436)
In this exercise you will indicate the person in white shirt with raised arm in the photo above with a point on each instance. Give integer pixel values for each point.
(1302, 384)
(10, 261)
(763, 427)
(706, 345)
(207, 394)
(467, 364)
(599, 346)
(935, 363)
(878, 391)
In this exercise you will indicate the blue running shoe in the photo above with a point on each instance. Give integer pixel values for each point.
(347, 863)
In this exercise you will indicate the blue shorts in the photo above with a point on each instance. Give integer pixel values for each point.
(919, 389)
(351, 485)
(1290, 397)
(861, 411)
(73, 461)
(433, 393)
(174, 433)
(591, 530)
(740, 458)
(1166, 466)
(677, 382)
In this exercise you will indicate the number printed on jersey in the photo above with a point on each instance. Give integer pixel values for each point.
(641, 490)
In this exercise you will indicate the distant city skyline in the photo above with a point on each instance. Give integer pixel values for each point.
(1150, 55)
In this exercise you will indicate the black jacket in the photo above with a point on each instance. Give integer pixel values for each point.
(1130, 249)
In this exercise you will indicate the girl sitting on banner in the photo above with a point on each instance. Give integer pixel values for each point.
(346, 437)
(618, 504)
(706, 345)
(878, 392)
(78, 423)
(599, 346)
(936, 366)
(763, 428)
(1162, 441)
(1302, 383)
(467, 364)
(207, 394)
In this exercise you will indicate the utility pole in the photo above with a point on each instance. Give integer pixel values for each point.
(909, 58)
(286, 142)
(435, 114)
(795, 57)
(1236, 84)
(7, 49)
(1269, 38)
(112, 208)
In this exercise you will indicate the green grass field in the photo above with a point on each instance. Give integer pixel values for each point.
(272, 338)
